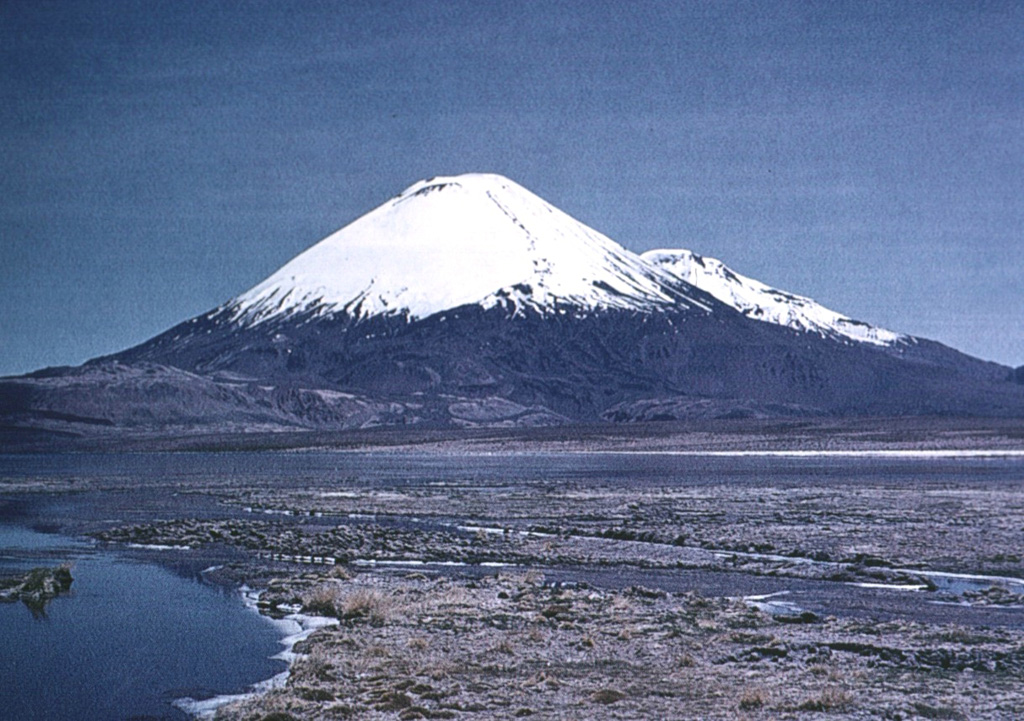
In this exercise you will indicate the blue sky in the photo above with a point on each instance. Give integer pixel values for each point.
(159, 158)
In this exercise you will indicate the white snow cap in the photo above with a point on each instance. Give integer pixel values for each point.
(447, 242)
(483, 239)
(761, 302)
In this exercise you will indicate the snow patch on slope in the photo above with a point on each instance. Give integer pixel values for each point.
(761, 302)
(471, 239)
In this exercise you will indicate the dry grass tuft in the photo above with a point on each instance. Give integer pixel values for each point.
(830, 699)
(506, 647)
(419, 643)
(533, 578)
(314, 666)
(608, 695)
(929, 711)
(686, 661)
(330, 599)
(754, 699)
(322, 600)
(341, 573)
(366, 603)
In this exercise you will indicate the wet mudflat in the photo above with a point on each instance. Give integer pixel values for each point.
(592, 585)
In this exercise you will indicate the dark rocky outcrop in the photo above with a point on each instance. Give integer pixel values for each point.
(37, 587)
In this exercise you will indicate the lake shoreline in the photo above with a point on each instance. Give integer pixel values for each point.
(294, 628)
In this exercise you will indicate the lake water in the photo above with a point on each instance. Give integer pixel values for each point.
(130, 638)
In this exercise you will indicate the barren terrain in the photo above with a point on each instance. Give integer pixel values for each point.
(490, 578)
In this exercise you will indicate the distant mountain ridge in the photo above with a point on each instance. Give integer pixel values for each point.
(470, 301)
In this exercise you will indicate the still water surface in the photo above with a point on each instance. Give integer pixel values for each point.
(129, 639)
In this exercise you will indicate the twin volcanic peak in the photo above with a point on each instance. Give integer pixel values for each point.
(481, 239)
(761, 302)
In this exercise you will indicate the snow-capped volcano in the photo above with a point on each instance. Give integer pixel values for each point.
(761, 302)
(482, 239)
(552, 322)
(447, 242)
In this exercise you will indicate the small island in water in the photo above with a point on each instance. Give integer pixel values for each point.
(37, 587)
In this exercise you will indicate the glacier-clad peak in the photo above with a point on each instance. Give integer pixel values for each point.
(452, 241)
(761, 302)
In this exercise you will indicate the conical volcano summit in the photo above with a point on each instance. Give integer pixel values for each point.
(450, 242)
